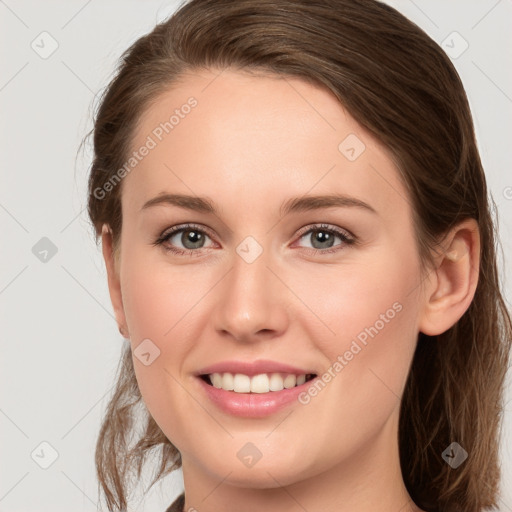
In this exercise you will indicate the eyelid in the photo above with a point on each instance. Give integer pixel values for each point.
(302, 231)
(182, 227)
(346, 236)
(329, 227)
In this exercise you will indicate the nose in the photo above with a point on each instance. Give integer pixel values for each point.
(251, 301)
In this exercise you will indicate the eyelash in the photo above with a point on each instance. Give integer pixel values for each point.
(346, 237)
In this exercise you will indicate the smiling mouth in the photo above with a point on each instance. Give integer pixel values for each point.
(262, 383)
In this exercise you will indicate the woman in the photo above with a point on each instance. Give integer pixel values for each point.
(300, 250)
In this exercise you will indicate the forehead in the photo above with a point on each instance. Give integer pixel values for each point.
(257, 139)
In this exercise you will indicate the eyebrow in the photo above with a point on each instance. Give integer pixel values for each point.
(295, 204)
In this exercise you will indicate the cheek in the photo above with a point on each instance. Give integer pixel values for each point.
(366, 297)
(373, 316)
(156, 302)
(157, 310)
(368, 331)
(157, 299)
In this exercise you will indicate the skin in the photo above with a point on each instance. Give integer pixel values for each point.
(251, 143)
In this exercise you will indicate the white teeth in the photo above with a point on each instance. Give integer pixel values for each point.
(241, 383)
(228, 382)
(276, 382)
(290, 381)
(262, 383)
(216, 380)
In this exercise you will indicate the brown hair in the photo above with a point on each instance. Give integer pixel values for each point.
(397, 83)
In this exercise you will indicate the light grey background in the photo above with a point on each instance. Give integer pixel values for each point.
(60, 343)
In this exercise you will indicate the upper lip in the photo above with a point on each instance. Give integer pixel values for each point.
(252, 368)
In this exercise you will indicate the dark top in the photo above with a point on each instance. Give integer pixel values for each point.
(178, 504)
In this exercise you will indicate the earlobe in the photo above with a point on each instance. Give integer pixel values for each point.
(114, 284)
(455, 279)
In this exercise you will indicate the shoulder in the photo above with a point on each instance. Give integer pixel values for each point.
(178, 504)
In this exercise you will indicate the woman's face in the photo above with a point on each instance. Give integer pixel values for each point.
(268, 277)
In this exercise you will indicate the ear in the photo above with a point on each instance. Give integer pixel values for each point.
(453, 282)
(114, 285)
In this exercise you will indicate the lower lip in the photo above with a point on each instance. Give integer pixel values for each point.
(253, 405)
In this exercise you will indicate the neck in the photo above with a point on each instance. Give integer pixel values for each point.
(369, 480)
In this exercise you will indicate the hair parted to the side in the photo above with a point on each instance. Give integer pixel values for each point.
(399, 84)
